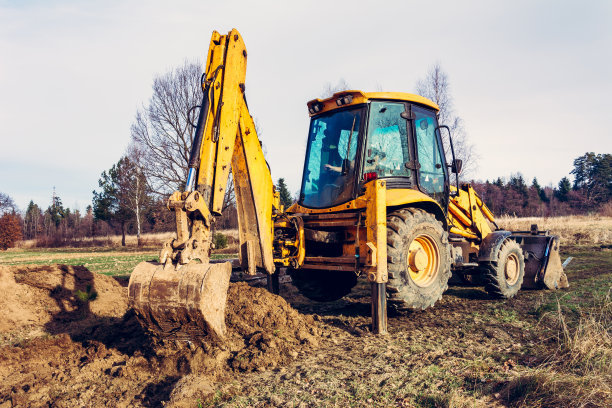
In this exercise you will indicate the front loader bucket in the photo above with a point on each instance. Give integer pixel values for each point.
(186, 303)
(543, 268)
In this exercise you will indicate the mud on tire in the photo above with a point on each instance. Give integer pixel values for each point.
(504, 277)
(419, 259)
(323, 286)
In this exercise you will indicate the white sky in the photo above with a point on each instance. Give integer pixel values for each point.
(531, 79)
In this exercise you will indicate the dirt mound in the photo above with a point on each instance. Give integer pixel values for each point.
(264, 332)
(53, 298)
(265, 327)
(88, 351)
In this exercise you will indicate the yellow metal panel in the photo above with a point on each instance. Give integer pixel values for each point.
(477, 216)
(459, 215)
(254, 191)
(394, 197)
(359, 97)
(233, 76)
(468, 214)
(403, 96)
(402, 196)
(208, 151)
(376, 231)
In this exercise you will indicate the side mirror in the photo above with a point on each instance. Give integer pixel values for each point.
(457, 166)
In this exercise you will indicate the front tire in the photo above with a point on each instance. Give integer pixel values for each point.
(419, 259)
(504, 277)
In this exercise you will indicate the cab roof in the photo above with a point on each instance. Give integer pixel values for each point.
(354, 97)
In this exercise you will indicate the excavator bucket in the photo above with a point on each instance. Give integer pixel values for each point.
(543, 268)
(185, 302)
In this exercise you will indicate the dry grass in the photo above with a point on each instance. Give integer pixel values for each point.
(579, 374)
(576, 229)
(150, 240)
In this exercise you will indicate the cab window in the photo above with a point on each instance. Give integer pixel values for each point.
(329, 169)
(387, 150)
(432, 168)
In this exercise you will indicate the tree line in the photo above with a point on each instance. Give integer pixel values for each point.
(590, 192)
(131, 194)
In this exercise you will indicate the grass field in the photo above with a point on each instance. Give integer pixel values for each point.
(576, 229)
(107, 261)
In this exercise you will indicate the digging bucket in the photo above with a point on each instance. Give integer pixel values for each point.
(543, 268)
(187, 302)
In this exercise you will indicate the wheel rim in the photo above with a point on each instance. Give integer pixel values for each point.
(423, 260)
(511, 270)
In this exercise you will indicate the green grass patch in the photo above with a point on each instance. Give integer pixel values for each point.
(590, 278)
(115, 262)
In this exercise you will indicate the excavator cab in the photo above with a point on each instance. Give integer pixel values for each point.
(379, 139)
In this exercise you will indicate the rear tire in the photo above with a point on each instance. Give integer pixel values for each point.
(504, 277)
(419, 259)
(322, 285)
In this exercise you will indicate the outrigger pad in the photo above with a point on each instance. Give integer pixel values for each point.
(185, 303)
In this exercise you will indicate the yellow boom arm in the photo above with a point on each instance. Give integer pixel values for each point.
(225, 136)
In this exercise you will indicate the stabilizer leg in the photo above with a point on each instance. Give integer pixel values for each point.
(273, 283)
(379, 308)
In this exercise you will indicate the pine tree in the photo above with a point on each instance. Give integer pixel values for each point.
(563, 190)
(56, 210)
(285, 195)
(593, 176)
(539, 190)
(112, 204)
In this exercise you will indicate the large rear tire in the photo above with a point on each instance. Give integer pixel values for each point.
(419, 259)
(504, 277)
(321, 285)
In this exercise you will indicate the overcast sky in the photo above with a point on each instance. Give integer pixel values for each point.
(531, 79)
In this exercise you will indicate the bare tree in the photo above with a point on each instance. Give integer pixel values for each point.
(137, 186)
(7, 205)
(435, 86)
(330, 89)
(162, 132)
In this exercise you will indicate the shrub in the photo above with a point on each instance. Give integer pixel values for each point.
(606, 209)
(10, 230)
(219, 240)
(86, 296)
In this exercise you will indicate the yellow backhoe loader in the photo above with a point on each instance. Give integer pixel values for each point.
(377, 202)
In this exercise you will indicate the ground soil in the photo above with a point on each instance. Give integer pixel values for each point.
(59, 350)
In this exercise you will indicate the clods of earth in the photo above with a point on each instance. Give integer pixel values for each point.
(68, 339)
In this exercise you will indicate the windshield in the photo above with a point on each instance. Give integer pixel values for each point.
(330, 159)
(387, 149)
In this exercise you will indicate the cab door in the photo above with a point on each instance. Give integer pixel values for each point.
(432, 175)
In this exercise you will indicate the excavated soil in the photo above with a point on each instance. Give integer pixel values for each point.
(67, 339)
